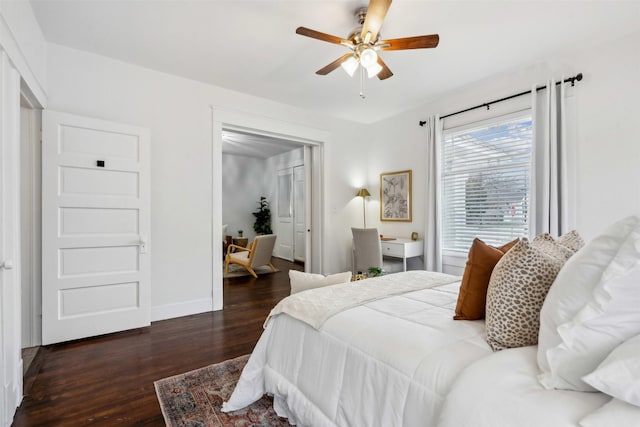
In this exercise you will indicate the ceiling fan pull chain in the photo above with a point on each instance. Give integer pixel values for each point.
(362, 95)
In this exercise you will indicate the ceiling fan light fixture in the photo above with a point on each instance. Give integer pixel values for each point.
(368, 57)
(365, 43)
(350, 65)
(373, 70)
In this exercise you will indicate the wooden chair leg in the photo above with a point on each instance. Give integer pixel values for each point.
(253, 273)
(226, 264)
(272, 267)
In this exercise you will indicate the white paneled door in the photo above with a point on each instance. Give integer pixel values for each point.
(299, 215)
(95, 227)
(284, 244)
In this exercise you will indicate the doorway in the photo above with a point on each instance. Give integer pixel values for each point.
(253, 178)
(311, 140)
(30, 226)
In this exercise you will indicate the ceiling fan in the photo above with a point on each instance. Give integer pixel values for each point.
(364, 42)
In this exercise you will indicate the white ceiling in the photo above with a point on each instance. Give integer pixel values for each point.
(246, 144)
(251, 46)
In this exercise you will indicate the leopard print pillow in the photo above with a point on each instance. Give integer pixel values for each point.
(518, 286)
(571, 240)
(552, 247)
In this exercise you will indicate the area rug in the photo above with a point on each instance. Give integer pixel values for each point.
(237, 271)
(194, 399)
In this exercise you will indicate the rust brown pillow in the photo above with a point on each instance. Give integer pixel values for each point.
(475, 280)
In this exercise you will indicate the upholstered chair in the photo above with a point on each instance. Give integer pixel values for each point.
(366, 250)
(257, 254)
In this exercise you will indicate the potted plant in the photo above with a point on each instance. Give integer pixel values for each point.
(263, 217)
(375, 271)
(240, 233)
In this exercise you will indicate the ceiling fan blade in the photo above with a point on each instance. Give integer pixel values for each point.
(385, 73)
(320, 36)
(376, 12)
(335, 64)
(417, 42)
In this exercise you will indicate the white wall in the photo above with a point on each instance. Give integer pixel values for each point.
(608, 154)
(178, 113)
(22, 40)
(244, 180)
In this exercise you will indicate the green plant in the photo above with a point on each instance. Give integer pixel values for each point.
(375, 271)
(263, 217)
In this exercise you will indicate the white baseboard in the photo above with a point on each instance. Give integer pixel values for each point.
(186, 308)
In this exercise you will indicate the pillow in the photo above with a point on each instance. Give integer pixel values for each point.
(614, 413)
(619, 374)
(517, 288)
(592, 307)
(475, 280)
(304, 281)
(552, 247)
(571, 240)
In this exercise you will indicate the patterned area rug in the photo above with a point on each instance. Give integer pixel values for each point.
(237, 271)
(194, 399)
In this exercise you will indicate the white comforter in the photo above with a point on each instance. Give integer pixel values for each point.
(503, 391)
(388, 362)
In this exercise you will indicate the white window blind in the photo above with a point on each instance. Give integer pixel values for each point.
(486, 182)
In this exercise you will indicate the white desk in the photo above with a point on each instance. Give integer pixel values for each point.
(402, 248)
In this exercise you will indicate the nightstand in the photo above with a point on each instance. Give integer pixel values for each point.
(402, 248)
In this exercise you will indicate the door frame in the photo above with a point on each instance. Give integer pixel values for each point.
(31, 171)
(259, 125)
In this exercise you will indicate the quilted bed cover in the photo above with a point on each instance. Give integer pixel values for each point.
(386, 362)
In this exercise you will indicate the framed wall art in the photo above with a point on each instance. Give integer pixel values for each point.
(395, 196)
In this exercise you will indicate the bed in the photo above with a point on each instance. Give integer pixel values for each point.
(381, 352)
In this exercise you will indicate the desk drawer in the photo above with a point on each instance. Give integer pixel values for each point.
(393, 249)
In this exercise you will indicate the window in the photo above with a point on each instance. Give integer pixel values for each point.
(486, 182)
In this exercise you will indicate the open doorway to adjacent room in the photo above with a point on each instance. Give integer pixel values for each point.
(255, 157)
(256, 167)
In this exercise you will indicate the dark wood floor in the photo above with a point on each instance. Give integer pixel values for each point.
(108, 380)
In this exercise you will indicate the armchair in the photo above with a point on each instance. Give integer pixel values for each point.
(366, 251)
(257, 254)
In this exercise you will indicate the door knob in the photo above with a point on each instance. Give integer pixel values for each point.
(6, 265)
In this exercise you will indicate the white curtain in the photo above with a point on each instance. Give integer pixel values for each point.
(432, 249)
(550, 188)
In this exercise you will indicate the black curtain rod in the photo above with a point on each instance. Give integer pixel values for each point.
(571, 80)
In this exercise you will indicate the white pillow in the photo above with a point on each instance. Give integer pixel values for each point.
(619, 374)
(591, 308)
(304, 281)
(615, 413)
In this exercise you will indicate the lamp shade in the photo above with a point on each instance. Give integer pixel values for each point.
(368, 57)
(350, 65)
(373, 70)
(363, 192)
